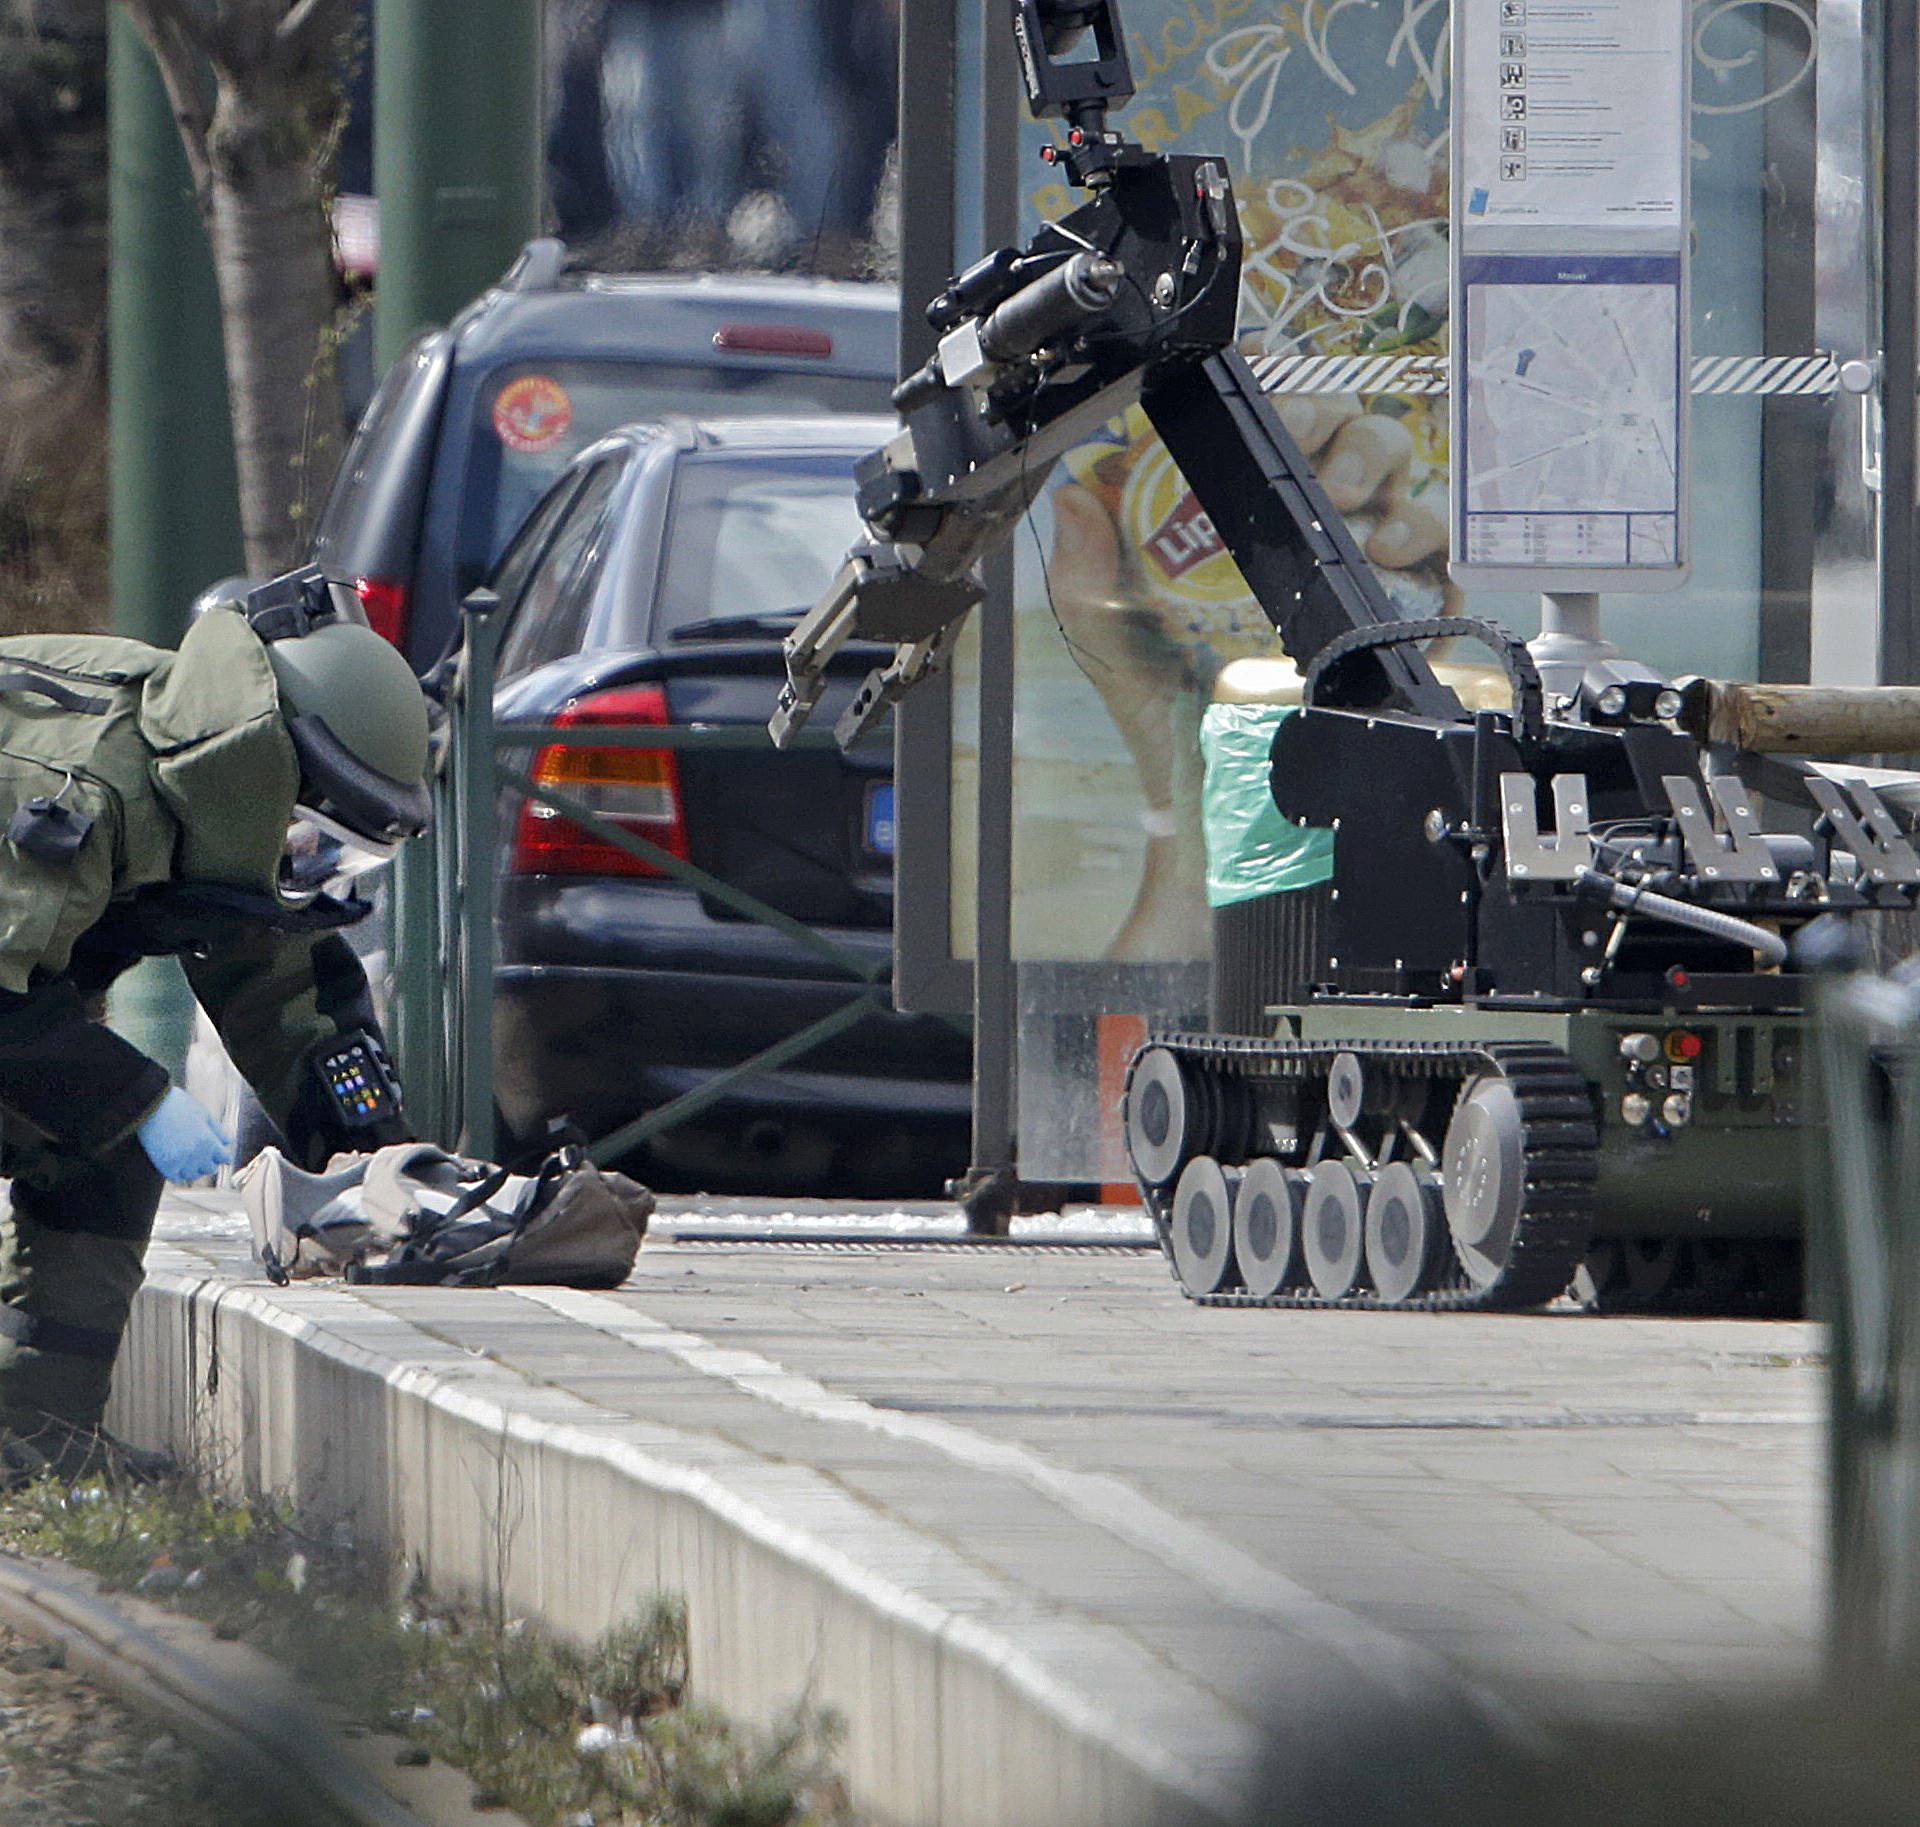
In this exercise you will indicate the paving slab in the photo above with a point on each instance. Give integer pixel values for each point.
(1031, 1493)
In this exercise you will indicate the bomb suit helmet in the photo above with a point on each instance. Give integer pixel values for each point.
(355, 712)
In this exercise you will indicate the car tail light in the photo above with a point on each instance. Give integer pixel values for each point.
(774, 339)
(637, 789)
(386, 603)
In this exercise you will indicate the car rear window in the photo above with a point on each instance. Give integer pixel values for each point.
(534, 418)
(549, 598)
(749, 537)
(363, 452)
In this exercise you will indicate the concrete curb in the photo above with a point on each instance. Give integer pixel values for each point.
(240, 1708)
(966, 1700)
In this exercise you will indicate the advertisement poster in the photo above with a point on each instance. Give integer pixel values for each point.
(1129, 607)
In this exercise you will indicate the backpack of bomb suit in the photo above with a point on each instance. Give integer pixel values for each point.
(124, 766)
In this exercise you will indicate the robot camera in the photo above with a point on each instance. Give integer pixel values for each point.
(1063, 23)
(1063, 77)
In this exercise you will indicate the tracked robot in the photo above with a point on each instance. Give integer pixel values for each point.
(1543, 1029)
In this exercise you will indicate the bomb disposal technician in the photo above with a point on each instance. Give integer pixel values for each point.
(157, 803)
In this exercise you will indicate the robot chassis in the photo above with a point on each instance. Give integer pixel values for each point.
(1540, 1031)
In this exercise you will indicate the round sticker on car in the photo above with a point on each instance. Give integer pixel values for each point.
(532, 413)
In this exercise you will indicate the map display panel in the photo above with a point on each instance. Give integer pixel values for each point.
(1568, 292)
(1570, 451)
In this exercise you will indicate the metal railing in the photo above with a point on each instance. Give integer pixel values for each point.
(447, 896)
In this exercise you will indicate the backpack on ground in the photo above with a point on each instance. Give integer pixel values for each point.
(413, 1214)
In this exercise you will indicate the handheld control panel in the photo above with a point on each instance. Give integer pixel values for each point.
(360, 1081)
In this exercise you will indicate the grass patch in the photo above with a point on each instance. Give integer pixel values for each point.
(560, 1734)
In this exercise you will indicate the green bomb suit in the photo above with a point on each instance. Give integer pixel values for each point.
(181, 767)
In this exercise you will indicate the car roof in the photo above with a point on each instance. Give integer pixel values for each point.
(769, 436)
(644, 317)
(754, 288)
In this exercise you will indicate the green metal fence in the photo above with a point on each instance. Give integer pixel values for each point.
(446, 898)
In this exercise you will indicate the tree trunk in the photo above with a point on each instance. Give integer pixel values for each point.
(273, 264)
(255, 89)
(52, 303)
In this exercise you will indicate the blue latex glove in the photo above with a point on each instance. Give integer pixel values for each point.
(183, 1141)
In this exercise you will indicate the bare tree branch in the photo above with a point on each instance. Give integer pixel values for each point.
(170, 30)
(207, 27)
(248, 29)
(311, 24)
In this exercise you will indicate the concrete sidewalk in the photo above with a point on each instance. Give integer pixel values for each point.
(1051, 1539)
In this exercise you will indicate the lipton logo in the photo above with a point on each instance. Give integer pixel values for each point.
(1185, 539)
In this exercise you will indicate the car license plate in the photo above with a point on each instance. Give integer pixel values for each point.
(880, 819)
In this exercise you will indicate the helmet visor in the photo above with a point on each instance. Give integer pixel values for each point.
(340, 792)
(321, 850)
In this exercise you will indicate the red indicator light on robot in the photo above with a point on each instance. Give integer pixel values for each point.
(1677, 979)
(1050, 154)
(1076, 138)
(1684, 1048)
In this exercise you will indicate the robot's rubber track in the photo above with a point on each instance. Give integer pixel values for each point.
(1560, 1139)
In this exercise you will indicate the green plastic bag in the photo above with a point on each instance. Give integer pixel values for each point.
(1251, 849)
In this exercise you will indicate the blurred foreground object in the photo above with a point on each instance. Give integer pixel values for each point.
(1772, 1757)
(1866, 1182)
(53, 225)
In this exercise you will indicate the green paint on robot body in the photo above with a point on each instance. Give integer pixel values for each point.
(1731, 1169)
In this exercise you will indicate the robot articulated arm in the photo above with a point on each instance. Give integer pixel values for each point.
(1131, 298)
(1039, 347)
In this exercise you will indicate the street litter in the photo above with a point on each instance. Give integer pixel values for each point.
(414, 1214)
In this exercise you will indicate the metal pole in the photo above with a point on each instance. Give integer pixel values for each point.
(173, 502)
(1900, 371)
(457, 148)
(991, 1189)
(990, 1192)
(477, 839)
(926, 974)
(173, 498)
(1569, 640)
(457, 155)
(1844, 633)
